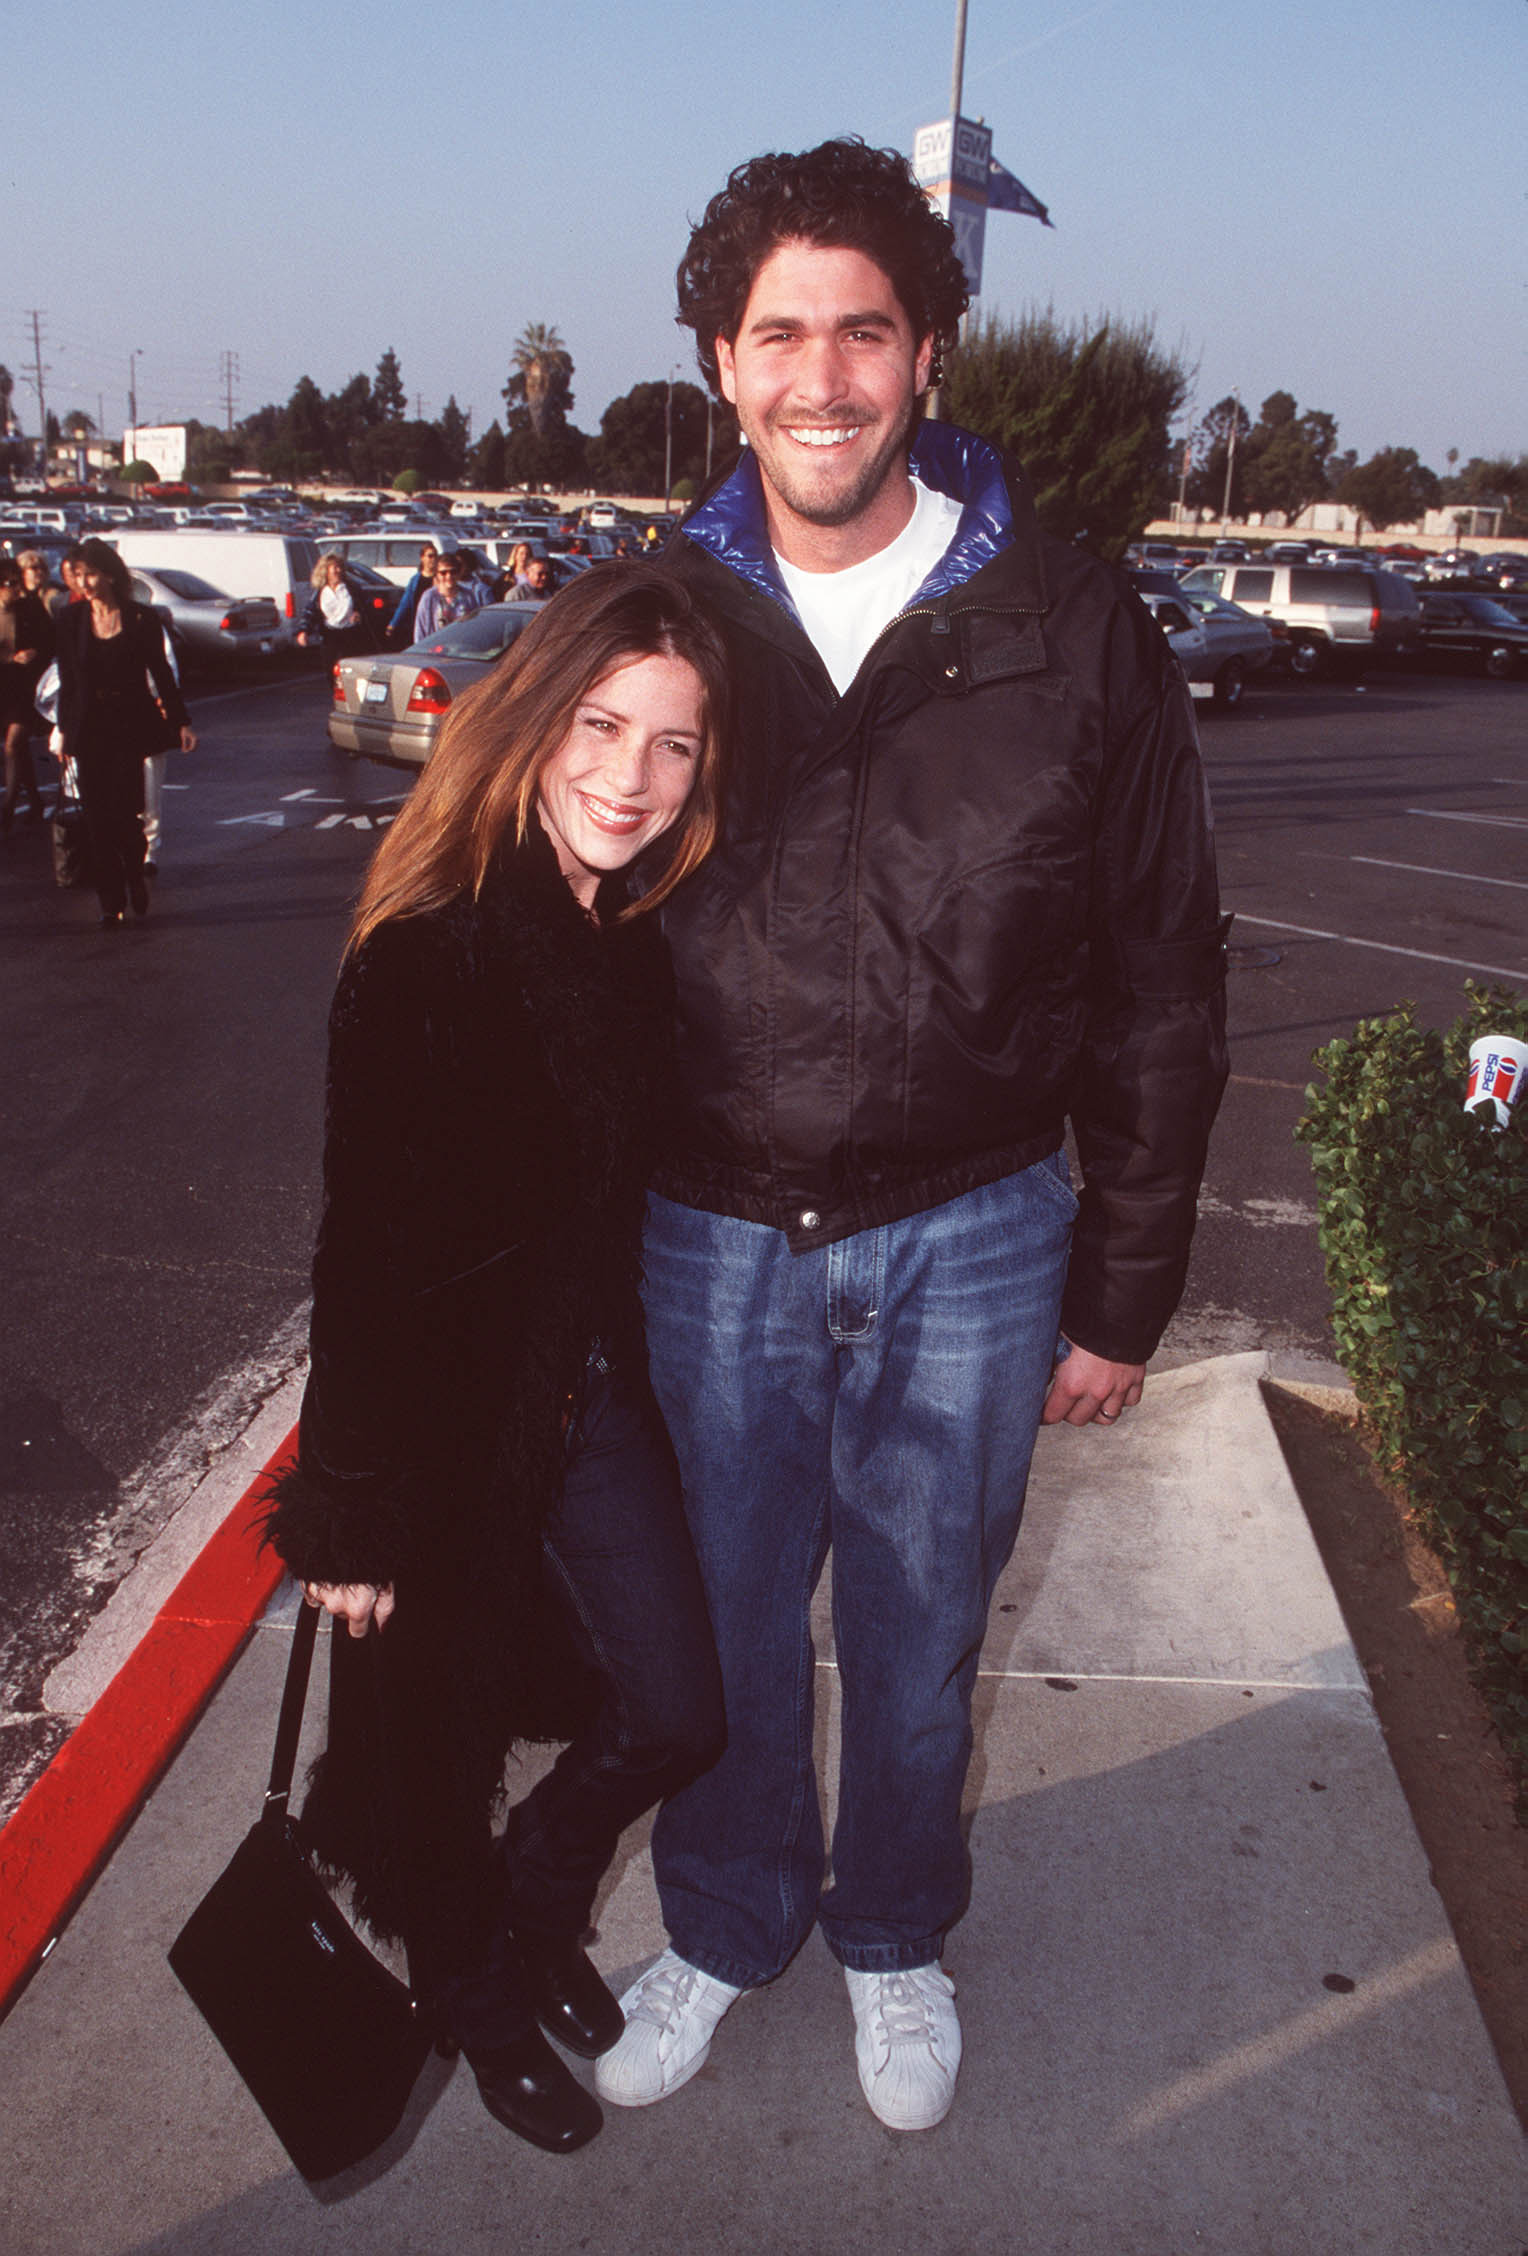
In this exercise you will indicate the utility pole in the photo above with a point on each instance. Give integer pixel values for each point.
(37, 385)
(230, 378)
(1225, 499)
(132, 387)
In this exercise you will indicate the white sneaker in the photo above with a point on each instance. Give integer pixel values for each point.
(670, 2015)
(907, 2044)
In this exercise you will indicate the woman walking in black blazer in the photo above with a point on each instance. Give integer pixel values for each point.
(118, 703)
(483, 1473)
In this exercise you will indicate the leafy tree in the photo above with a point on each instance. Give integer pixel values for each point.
(485, 464)
(388, 393)
(79, 425)
(540, 383)
(1392, 488)
(349, 414)
(628, 456)
(1212, 446)
(407, 482)
(453, 429)
(54, 433)
(379, 455)
(7, 391)
(1287, 456)
(1489, 480)
(557, 459)
(1087, 410)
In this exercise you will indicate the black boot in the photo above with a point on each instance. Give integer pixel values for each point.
(531, 2092)
(570, 2001)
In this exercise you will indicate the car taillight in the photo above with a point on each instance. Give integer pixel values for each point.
(1374, 620)
(229, 623)
(291, 607)
(339, 688)
(429, 693)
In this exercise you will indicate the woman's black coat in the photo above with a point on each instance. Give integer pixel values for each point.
(139, 727)
(494, 1071)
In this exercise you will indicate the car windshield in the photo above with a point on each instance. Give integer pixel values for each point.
(483, 635)
(189, 588)
(1490, 614)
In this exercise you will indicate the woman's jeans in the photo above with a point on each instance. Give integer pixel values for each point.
(880, 1396)
(618, 1552)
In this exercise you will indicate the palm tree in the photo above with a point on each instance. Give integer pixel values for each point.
(542, 376)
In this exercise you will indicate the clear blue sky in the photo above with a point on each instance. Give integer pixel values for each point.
(1324, 198)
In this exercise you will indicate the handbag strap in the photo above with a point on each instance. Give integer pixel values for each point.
(289, 1723)
(294, 1695)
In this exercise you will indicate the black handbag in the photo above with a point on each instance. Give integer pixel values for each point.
(329, 2042)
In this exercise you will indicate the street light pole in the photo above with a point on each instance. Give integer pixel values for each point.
(958, 70)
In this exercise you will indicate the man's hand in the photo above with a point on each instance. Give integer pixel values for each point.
(357, 1604)
(1084, 1387)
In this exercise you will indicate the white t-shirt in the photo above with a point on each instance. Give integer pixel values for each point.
(337, 605)
(843, 612)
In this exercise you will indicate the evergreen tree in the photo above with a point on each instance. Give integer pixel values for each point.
(1086, 410)
(387, 391)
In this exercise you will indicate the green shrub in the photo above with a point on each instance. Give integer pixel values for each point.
(1424, 1227)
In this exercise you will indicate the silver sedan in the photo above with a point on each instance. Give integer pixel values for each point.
(390, 708)
(1218, 644)
(207, 628)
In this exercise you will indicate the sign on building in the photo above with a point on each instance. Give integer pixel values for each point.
(162, 444)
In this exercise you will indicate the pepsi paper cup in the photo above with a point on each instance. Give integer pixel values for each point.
(1497, 1065)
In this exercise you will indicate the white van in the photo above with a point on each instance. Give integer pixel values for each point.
(279, 565)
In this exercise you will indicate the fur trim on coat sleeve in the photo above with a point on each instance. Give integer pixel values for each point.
(331, 1530)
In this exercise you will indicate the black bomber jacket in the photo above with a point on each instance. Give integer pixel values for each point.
(971, 898)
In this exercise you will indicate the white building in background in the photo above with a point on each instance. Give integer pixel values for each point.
(163, 445)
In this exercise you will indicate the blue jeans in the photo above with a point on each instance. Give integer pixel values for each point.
(619, 1559)
(880, 1396)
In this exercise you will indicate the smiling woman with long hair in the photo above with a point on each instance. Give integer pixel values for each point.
(483, 1481)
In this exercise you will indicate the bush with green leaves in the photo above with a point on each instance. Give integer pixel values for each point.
(1424, 1227)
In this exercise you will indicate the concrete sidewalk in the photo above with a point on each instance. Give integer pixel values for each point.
(1211, 2000)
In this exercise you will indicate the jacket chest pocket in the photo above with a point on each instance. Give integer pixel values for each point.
(995, 970)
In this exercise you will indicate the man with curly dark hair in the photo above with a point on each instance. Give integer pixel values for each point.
(965, 891)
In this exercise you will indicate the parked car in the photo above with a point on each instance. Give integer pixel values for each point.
(1217, 643)
(1453, 564)
(278, 565)
(1458, 624)
(1153, 556)
(1325, 616)
(390, 708)
(394, 554)
(207, 627)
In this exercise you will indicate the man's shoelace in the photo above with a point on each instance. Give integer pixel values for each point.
(903, 2012)
(663, 1993)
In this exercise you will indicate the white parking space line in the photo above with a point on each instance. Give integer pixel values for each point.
(1385, 947)
(1489, 822)
(1421, 869)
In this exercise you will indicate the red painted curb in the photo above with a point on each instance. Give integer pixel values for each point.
(73, 1817)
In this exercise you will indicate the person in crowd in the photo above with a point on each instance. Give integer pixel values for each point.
(26, 649)
(966, 889)
(39, 581)
(537, 583)
(119, 702)
(71, 570)
(449, 596)
(400, 628)
(513, 576)
(334, 619)
(482, 1475)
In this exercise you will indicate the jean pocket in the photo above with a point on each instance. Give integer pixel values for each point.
(1054, 1177)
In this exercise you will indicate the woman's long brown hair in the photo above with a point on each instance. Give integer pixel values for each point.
(479, 786)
